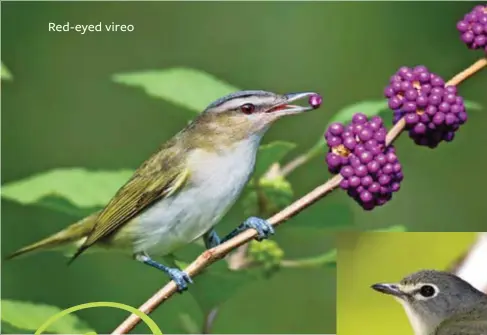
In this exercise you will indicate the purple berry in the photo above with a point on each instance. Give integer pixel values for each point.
(361, 171)
(334, 141)
(365, 135)
(373, 167)
(427, 105)
(347, 171)
(473, 28)
(359, 118)
(366, 157)
(354, 181)
(315, 100)
(412, 118)
(366, 196)
(336, 129)
(420, 128)
(358, 152)
(367, 181)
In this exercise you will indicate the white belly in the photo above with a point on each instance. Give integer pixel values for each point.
(215, 183)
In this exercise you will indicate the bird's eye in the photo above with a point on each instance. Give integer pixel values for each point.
(427, 291)
(247, 108)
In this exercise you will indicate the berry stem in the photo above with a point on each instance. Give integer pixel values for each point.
(468, 72)
(212, 255)
(311, 262)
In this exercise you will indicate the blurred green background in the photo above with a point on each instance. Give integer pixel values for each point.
(369, 258)
(63, 110)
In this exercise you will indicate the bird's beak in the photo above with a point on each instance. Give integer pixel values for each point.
(285, 106)
(391, 289)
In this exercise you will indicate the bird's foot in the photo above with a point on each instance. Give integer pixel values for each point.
(181, 278)
(264, 230)
(263, 227)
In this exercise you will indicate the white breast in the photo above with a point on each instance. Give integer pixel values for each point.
(216, 181)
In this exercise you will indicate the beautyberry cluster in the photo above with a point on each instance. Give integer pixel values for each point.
(431, 110)
(473, 28)
(371, 172)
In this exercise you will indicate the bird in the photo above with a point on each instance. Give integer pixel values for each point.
(440, 303)
(185, 188)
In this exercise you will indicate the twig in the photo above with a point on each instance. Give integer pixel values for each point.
(294, 164)
(238, 259)
(302, 159)
(211, 255)
(310, 262)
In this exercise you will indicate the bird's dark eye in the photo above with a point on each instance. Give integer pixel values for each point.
(427, 291)
(247, 108)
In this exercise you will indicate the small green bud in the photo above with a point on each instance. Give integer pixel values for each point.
(267, 253)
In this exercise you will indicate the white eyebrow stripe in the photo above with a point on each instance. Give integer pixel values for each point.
(409, 289)
(237, 102)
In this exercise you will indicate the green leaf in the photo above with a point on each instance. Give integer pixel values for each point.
(269, 154)
(471, 105)
(185, 87)
(75, 191)
(7, 328)
(219, 284)
(188, 324)
(5, 73)
(393, 229)
(30, 316)
(268, 197)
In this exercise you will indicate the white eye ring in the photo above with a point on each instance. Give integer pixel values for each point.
(427, 291)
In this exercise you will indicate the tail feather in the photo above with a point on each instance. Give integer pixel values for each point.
(72, 234)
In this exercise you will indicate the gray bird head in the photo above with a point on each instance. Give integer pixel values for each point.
(253, 111)
(430, 297)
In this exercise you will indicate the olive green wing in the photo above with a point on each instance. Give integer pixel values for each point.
(161, 176)
(471, 323)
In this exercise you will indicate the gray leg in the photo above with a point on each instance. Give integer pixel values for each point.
(181, 278)
(211, 239)
(264, 229)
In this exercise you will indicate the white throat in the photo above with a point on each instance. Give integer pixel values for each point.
(419, 325)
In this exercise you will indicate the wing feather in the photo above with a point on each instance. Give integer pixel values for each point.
(161, 176)
(470, 323)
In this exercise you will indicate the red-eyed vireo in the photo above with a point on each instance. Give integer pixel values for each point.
(183, 190)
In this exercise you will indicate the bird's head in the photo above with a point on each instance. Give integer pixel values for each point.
(246, 113)
(430, 297)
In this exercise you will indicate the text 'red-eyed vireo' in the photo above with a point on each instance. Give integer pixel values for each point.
(183, 190)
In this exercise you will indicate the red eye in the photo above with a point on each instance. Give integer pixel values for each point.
(247, 108)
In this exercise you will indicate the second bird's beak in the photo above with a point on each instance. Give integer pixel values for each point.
(285, 107)
(391, 289)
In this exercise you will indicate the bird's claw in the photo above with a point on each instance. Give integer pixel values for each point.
(264, 229)
(181, 278)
